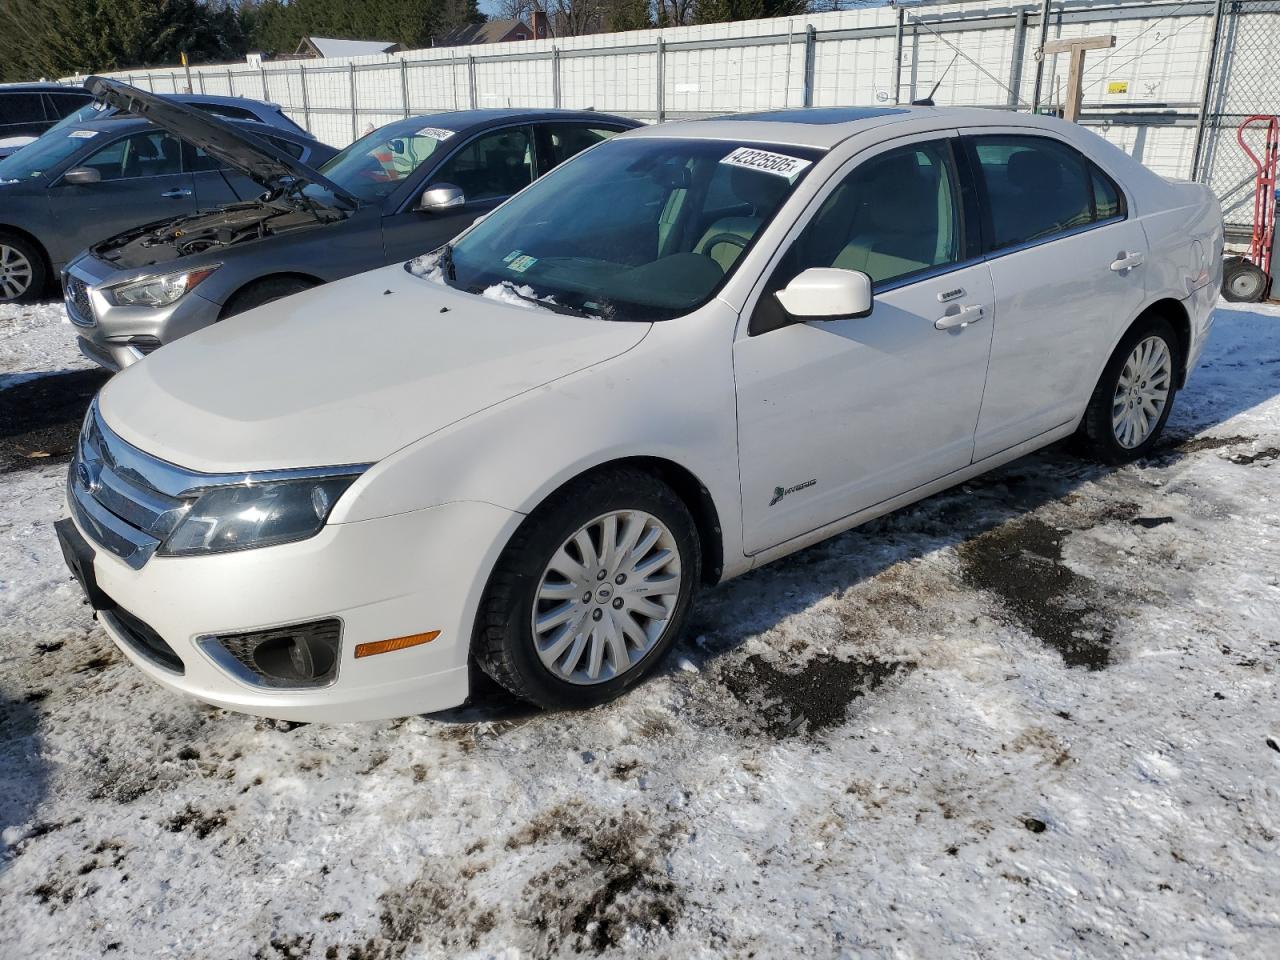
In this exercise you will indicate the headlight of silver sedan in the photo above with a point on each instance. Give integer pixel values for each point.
(256, 515)
(159, 291)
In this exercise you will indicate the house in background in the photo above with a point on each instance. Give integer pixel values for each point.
(495, 31)
(311, 48)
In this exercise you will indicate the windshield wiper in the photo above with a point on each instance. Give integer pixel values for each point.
(537, 301)
(446, 262)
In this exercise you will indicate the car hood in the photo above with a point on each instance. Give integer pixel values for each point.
(253, 156)
(345, 373)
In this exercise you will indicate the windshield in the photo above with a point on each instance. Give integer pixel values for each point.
(376, 164)
(45, 154)
(641, 229)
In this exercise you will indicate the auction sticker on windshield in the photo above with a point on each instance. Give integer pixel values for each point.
(766, 162)
(436, 133)
(83, 134)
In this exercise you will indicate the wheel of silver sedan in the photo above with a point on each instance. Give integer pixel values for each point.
(606, 597)
(15, 272)
(1142, 392)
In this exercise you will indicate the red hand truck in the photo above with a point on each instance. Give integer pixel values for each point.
(1245, 279)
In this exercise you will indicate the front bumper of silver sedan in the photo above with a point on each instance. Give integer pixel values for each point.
(115, 336)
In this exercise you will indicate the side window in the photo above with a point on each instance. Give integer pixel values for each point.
(64, 104)
(895, 215)
(21, 108)
(286, 146)
(493, 165)
(150, 154)
(228, 112)
(564, 140)
(1106, 198)
(1037, 187)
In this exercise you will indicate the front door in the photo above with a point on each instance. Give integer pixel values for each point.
(837, 416)
(142, 180)
(488, 169)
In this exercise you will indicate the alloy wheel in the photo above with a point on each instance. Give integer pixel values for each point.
(15, 272)
(1142, 392)
(606, 597)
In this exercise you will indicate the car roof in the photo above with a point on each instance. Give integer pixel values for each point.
(824, 127)
(214, 98)
(468, 119)
(41, 86)
(119, 124)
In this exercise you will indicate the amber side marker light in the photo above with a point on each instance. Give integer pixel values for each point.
(399, 643)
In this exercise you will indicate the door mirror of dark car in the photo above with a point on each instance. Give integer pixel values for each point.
(397, 146)
(82, 175)
(441, 197)
(827, 293)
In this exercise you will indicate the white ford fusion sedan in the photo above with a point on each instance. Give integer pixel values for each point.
(689, 351)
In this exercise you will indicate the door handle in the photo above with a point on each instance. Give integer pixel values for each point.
(1127, 261)
(177, 193)
(961, 318)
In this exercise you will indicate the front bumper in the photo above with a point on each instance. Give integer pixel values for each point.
(383, 578)
(115, 337)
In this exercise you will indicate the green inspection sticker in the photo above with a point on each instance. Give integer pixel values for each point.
(522, 263)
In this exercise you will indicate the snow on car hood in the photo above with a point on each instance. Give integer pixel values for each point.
(346, 373)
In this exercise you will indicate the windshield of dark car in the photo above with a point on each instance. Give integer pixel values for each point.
(93, 110)
(376, 164)
(633, 229)
(44, 154)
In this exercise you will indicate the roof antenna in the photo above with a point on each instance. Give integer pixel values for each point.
(928, 101)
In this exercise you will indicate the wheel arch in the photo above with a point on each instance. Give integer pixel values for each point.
(1176, 313)
(50, 275)
(686, 485)
(280, 275)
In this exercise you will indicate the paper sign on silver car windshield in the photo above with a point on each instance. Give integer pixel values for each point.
(766, 162)
(435, 133)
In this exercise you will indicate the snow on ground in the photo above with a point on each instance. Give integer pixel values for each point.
(1034, 715)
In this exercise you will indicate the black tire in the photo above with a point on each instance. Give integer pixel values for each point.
(1096, 431)
(1243, 282)
(36, 280)
(503, 642)
(262, 292)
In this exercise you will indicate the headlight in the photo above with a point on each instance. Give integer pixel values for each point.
(257, 515)
(158, 291)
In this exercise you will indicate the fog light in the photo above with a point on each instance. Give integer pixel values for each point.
(301, 655)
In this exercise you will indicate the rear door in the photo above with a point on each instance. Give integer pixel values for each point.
(489, 168)
(1067, 266)
(142, 180)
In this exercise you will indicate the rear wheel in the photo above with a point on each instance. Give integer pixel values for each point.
(264, 291)
(22, 271)
(591, 593)
(1134, 396)
(1243, 281)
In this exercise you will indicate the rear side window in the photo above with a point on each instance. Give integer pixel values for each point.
(1037, 188)
(64, 104)
(564, 140)
(287, 146)
(21, 108)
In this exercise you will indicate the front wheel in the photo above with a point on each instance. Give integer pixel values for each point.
(22, 272)
(1134, 396)
(262, 292)
(591, 593)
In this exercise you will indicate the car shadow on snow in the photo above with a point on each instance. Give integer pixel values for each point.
(40, 415)
(24, 777)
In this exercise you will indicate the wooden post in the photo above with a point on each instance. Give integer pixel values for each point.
(1075, 77)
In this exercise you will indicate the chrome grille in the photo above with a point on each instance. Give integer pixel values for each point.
(79, 306)
(112, 498)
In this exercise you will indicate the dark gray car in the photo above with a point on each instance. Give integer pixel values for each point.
(87, 181)
(402, 190)
(29, 109)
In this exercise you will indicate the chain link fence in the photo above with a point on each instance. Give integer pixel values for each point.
(1171, 91)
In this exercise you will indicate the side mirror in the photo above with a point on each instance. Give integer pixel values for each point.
(827, 293)
(82, 175)
(441, 197)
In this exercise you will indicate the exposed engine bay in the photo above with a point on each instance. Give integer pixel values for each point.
(226, 226)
